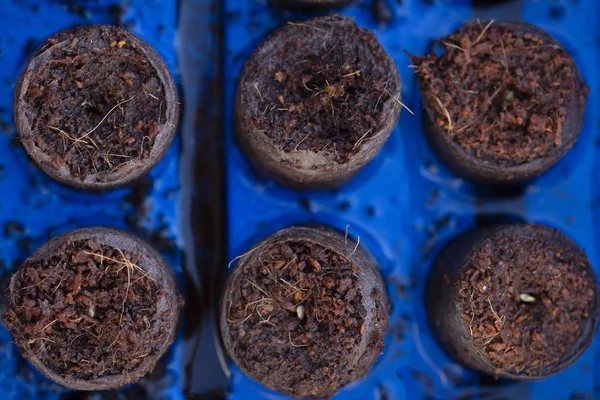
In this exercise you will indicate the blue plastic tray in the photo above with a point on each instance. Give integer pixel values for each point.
(404, 206)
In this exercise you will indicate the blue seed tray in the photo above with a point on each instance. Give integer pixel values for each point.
(405, 206)
(33, 207)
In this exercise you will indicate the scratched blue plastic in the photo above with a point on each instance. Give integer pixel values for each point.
(406, 205)
(43, 207)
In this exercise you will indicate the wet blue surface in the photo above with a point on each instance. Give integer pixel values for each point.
(406, 205)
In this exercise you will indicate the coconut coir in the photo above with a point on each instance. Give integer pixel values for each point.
(296, 319)
(500, 95)
(96, 103)
(322, 92)
(524, 301)
(88, 311)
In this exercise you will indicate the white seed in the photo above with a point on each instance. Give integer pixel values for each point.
(300, 311)
(526, 298)
(92, 311)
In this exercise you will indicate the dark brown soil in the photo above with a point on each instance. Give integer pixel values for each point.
(96, 102)
(321, 87)
(88, 311)
(297, 319)
(500, 95)
(524, 301)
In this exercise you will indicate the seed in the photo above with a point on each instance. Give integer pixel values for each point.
(526, 298)
(300, 311)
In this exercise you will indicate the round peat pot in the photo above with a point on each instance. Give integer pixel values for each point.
(311, 5)
(513, 301)
(96, 107)
(503, 104)
(316, 102)
(93, 309)
(305, 312)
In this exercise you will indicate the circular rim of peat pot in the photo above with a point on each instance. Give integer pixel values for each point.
(478, 171)
(323, 172)
(311, 5)
(129, 173)
(369, 278)
(441, 293)
(156, 267)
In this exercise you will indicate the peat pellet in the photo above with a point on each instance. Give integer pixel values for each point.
(93, 309)
(513, 301)
(311, 5)
(305, 312)
(96, 107)
(504, 102)
(316, 102)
